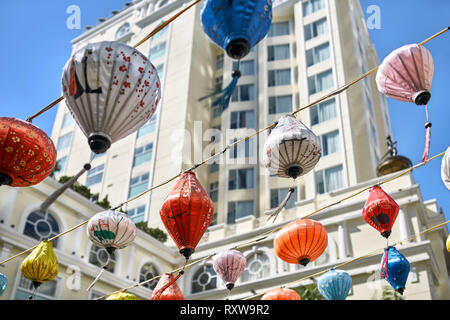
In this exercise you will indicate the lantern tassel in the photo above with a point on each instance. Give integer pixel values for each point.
(384, 267)
(427, 142)
(274, 212)
(100, 273)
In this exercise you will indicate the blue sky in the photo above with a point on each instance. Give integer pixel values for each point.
(36, 45)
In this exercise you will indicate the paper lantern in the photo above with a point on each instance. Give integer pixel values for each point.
(445, 168)
(335, 284)
(380, 211)
(111, 230)
(27, 154)
(122, 296)
(186, 213)
(281, 294)
(395, 268)
(111, 90)
(301, 241)
(41, 265)
(229, 265)
(167, 289)
(236, 26)
(406, 74)
(3, 283)
(291, 150)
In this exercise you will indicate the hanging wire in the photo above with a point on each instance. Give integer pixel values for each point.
(272, 231)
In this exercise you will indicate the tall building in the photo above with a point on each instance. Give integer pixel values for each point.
(312, 48)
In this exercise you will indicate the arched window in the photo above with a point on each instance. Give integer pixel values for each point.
(149, 271)
(41, 226)
(205, 278)
(99, 256)
(123, 30)
(258, 267)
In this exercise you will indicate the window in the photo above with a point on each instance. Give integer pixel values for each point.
(214, 191)
(239, 209)
(138, 185)
(99, 256)
(205, 278)
(162, 32)
(316, 28)
(67, 120)
(258, 267)
(277, 195)
(280, 104)
(123, 30)
(158, 51)
(280, 77)
(329, 179)
(242, 119)
(148, 127)
(214, 220)
(64, 141)
(311, 6)
(245, 149)
(41, 226)
(95, 175)
(160, 69)
(219, 62)
(246, 67)
(320, 82)
(318, 54)
(149, 271)
(62, 164)
(218, 83)
(143, 154)
(323, 111)
(241, 179)
(330, 143)
(214, 167)
(278, 52)
(279, 29)
(137, 214)
(373, 133)
(46, 291)
(163, 3)
(244, 92)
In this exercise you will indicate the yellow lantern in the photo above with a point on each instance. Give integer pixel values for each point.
(122, 296)
(41, 264)
(448, 243)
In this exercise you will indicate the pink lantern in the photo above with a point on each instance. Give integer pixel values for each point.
(229, 264)
(406, 75)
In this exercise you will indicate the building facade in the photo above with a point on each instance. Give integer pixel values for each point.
(312, 48)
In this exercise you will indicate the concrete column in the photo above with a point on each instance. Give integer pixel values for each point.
(342, 238)
(131, 261)
(7, 206)
(77, 238)
(403, 224)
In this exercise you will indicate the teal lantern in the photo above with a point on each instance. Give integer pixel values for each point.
(3, 283)
(335, 284)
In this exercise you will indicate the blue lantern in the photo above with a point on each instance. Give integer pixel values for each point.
(395, 268)
(3, 283)
(236, 25)
(335, 284)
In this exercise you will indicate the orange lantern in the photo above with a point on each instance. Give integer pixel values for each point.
(301, 241)
(27, 154)
(186, 213)
(281, 294)
(167, 289)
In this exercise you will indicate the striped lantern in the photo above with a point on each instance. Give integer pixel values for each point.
(186, 213)
(335, 284)
(291, 150)
(27, 154)
(301, 241)
(111, 230)
(229, 265)
(281, 294)
(111, 90)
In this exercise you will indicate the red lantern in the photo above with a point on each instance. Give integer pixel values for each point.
(281, 294)
(380, 211)
(27, 154)
(186, 213)
(167, 289)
